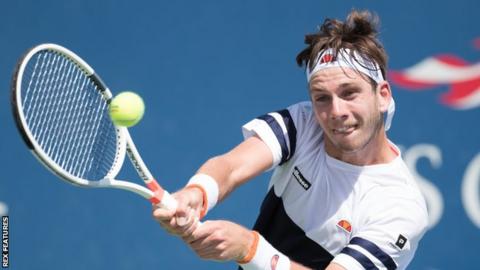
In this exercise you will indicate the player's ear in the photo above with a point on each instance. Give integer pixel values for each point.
(384, 95)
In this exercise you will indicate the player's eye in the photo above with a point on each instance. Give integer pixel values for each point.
(349, 94)
(322, 98)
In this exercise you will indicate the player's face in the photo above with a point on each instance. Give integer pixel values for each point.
(348, 109)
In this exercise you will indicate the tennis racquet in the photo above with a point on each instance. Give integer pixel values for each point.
(60, 106)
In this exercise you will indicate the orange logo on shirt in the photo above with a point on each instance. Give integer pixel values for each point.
(345, 225)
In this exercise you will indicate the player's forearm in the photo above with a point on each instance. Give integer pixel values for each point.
(247, 160)
(223, 173)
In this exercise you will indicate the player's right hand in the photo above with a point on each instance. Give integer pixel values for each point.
(184, 220)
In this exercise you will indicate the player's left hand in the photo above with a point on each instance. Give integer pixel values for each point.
(220, 240)
(182, 221)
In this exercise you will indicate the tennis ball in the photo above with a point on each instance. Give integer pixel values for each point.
(126, 109)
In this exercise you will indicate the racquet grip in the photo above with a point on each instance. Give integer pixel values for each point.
(160, 196)
(168, 202)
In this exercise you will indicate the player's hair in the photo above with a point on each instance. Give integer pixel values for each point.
(358, 33)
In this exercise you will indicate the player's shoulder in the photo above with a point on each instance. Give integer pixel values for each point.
(395, 192)
(396, 201)
(396, 205)
(389, 216)
(303, 116)
(302, 107)
(394, 218)
(399, 189)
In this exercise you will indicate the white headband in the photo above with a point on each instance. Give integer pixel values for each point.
(344, 58)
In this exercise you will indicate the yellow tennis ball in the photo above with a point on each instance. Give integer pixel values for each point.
(126, 109)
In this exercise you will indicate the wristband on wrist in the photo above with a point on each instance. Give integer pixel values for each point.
(209, 188)
(252, 250)
(262, 256)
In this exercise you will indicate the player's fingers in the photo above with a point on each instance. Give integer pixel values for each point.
(207, 248)
(201, 245)
(185, 219)
(197, 213)
(190, 228)
(172, 227)
(207, 254)
(183, 213)
(200, 232)
(162, 214)
(182, 221)
(168, 220)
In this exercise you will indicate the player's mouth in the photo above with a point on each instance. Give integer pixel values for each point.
(344, 130)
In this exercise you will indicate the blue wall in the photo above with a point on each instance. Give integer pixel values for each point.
(204, 68)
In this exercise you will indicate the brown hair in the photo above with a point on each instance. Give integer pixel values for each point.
(358, 33)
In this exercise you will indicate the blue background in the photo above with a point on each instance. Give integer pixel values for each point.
(204, 68)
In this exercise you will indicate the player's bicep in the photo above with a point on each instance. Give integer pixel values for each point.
(248, 159)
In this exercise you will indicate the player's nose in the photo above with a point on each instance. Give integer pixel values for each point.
(338, 109)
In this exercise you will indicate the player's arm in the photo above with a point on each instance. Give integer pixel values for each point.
(215, 179)
(247, 160)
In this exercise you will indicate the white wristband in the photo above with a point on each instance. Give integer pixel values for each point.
(266, 257)
(209, 186)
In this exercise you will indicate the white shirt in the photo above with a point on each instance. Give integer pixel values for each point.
(320, 209)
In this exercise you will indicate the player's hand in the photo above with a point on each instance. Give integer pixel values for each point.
(220, 240)
(184, 219)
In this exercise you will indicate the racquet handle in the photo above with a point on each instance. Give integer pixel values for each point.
(169, 203)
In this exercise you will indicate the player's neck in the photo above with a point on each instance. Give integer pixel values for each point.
(377, 151)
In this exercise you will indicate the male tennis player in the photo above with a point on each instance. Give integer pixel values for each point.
(340, 196)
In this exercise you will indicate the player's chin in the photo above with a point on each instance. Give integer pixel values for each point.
(347, 147)
(348, 144)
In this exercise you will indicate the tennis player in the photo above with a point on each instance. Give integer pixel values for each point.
(340, 196)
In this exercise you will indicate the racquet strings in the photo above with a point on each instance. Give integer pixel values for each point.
(68, 116)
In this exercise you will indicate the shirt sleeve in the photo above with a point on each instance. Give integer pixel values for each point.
(388, 237)
(279, 130)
